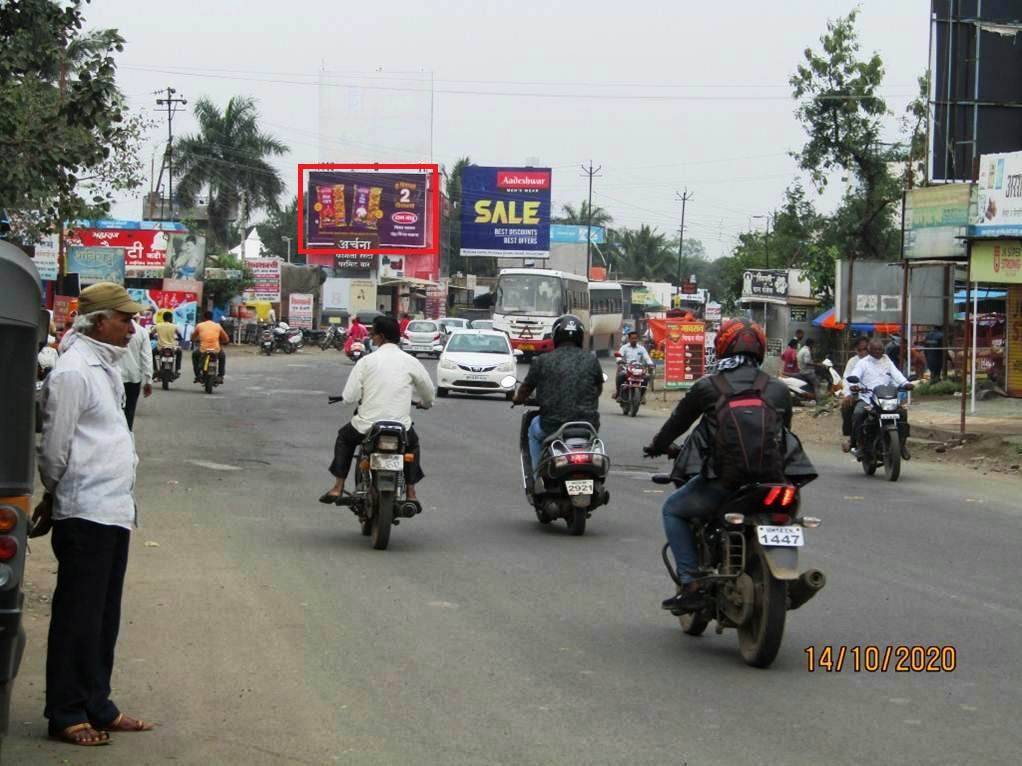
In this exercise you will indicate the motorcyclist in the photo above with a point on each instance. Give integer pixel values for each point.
(568, 382)
(740, 348)
(875, 369)
(168, 336)
(630, 353)
(357, 333)
(210, 335)
(381, 385)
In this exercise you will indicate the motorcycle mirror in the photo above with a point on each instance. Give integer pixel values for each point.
(852, 379)
(509, 381)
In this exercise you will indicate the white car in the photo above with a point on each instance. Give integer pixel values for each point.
(423, 336)
(477, 361)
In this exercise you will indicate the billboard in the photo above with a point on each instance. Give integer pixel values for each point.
(184, 305)
(999, 196)
(571, 233)
(299, 310)
(936, 218)
(684, 347)
(186, 256)
(505, 212)
(266, 273)
(145, 249)
(997, 262)
(368, 209)
(877, 293)
(96, 264)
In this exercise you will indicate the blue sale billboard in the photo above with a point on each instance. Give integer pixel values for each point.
(505, 212)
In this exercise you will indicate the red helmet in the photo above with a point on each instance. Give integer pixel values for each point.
(740, 336)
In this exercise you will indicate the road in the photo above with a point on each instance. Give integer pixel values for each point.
(260, 627)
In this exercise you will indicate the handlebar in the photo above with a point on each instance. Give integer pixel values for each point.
(335, 399)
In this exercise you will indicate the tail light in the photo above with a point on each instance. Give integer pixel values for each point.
(781, 496)
(8, 548)
(577, 458)
(8, 519)
(436, 337)
(387, 443)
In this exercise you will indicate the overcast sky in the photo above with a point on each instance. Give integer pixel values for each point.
(662, 95)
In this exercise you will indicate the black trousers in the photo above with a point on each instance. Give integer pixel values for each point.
(197, 361)
(131, 392)
(348, 439)
(859, 419)
(84, 621)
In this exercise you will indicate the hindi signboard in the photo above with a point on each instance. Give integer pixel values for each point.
(999, 196)
(299, 310)
(96, 264)
(266, 273)
(936, 218)
(684, 353)
(505, 212)
(998, 262)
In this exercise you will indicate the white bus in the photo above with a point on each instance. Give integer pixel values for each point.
(606, 311)
(527, 302)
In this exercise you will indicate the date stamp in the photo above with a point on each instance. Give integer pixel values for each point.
(873, 658)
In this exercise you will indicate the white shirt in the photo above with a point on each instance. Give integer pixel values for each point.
(878, 372)
(805, 359)
(137, 364)
(87, 454)
(381, 385)
(848, 371)
(637, 354)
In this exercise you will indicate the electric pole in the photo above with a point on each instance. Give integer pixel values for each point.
(171, 103)
(681, 237)
(589, 217)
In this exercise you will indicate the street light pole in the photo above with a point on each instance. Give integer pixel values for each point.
(769, 219)
(288, 240)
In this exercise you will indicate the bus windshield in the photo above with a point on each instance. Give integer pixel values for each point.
(535, 294)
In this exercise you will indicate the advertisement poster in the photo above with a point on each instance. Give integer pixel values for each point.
(95, 264)
(266, 273)
(684, 350)
(145, 250)
(936, 218)
(362, 296)
(64, 308)
(365, 210)
(183, 286)
(44, 256)
(186, 256)
(183, 305)
(571, 234)
(765, 283)
(299, 310)
(505, 212)
(997, 262)
(436, 301)
(999, 196)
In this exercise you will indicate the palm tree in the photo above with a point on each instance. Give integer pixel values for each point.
(580, 216)
(646, 254)
(452, 188)
(228, 158)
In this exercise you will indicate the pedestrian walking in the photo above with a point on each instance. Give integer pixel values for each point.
(136, 367)
(87, 464)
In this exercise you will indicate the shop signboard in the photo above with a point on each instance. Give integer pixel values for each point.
(299, 310)
(765, 283)
(1013, 366)
(998, 262)
(96, 264)
(684, 353)
(999, 196)
(266, 274)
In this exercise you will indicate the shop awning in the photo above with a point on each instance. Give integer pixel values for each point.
(982, 294)
(410, 281)
(827, 321)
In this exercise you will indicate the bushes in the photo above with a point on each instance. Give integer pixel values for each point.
(939, 388)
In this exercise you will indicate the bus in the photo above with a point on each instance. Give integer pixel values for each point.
(606, 311)
(527, 301)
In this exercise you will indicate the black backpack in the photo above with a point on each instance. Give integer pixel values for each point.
(749, 437)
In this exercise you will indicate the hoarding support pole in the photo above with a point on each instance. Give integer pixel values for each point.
(965, 345)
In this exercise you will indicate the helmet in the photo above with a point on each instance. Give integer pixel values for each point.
(740, 336)
(568, 329)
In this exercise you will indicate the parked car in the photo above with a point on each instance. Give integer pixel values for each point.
(481, 324)
(423, 336)
(477, 361)
(450, 324)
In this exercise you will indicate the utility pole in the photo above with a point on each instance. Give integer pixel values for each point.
(589, 217)
(769, 219)
(681, 236)
(171, 103)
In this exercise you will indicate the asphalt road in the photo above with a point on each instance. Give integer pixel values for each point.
(260, 627)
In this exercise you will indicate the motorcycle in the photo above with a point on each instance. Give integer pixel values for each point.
(748, 567)
(380, 500)
(357, 350)
(884, 429)
(209, 371)
(571, 474)
(266, 341)
(287, 339)
(629, 396)
(333, 336)
(166, 370)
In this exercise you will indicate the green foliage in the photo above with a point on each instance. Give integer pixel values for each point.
(228, 157)
(66, 141)
(580, 216)
(452, 190)
(937, 388)
(281, 223)
(221, 291)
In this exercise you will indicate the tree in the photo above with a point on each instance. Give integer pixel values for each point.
(228, 158)
(65, 140)
(280, 224)
(221, 291)
(452, 190)
(646, 254)
(841, 109)
(913, 125)
(580, 216)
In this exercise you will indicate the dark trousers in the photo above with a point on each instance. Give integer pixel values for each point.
(847, 406)
(131, 392)
(197, 362)
(859, 419)
(348, 439)
(85, 618)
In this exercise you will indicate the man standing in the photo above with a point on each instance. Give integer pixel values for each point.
(807, 366)
(87, 464)
(136, 371)
(210, 336)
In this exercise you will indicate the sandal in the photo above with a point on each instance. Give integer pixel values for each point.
(327, 499)
(83, 735)
(124, 723)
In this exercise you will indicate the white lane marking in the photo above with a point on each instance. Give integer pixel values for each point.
(214, 466)
(443, 604)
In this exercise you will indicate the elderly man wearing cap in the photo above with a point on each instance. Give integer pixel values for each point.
(87, 463)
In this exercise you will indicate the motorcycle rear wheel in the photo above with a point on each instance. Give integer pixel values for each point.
(207, 383)
(577, 522)
(541, 517)
(759, 639)
(166, 383)
(382, 520)
(892, 455)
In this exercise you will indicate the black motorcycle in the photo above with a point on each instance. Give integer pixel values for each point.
(333, 337)
(748, 567)
(166, 369)
(267, 343)
(884, 430)
(209, 371)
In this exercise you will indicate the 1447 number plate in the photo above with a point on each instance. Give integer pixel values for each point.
(790, 537)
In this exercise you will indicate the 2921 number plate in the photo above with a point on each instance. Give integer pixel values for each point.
(579, 487)
(789, 537)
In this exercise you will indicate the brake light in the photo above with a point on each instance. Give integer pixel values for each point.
(780, 518)
(8, 519)
(8, 548)
(772, 496)
(436, 337)
(576, 458)
(787, 497)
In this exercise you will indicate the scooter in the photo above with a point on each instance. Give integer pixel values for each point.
(267, 343)
(287, 339)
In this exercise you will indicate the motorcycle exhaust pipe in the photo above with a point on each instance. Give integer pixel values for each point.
(808, 584)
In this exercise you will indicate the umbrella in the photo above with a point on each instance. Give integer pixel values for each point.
(827, 321)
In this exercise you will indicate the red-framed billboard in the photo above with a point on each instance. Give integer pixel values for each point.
(366, 209)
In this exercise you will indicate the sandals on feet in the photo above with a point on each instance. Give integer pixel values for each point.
(83, 735)
(327, 499)
(124, 723)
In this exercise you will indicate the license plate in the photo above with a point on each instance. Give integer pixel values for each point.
(579, 487)
(380, 462)
(476, 377)
(527, 347)
(893, 416)
(790, 537)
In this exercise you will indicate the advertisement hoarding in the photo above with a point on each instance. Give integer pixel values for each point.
(571, 234)
(765, 283)
(145, 250)
(373, 209)
(63, 308)
(184, 305)
(997, 262)
(684, 349)
(299, 310)
(95, 264)
(186, 256)
(44, 256)
(999, 196)
(266, 273)
(936, 219)
(505, 212)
